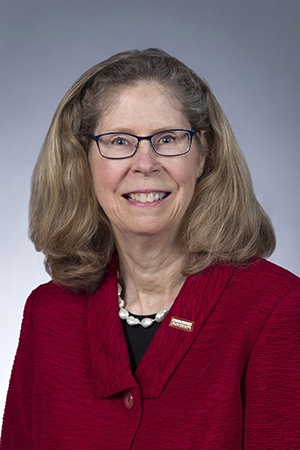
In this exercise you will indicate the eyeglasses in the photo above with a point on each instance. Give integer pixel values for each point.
(124, 145)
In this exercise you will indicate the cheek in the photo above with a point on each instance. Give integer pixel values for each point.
(187, 183)
(103, 189)
(103, 185)
(102, 173)
(188, 173)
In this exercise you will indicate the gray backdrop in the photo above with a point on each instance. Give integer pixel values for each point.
(247, 51)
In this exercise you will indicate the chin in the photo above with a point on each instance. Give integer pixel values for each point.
(147, 229)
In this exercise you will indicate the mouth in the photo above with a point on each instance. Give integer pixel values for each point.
(143, 197)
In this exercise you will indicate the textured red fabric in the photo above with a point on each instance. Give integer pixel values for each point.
(232, 383)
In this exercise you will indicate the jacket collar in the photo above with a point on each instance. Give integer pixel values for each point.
(195, 302)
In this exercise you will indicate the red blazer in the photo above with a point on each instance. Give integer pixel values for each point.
(231, 383)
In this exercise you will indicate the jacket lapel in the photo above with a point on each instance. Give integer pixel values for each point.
(110, 358)
(195, 302)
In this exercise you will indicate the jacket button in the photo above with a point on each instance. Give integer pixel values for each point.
(128, 400)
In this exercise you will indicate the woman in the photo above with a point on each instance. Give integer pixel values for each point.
(163, 326)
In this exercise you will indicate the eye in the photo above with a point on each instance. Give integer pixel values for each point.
(165, 139)
(119, 141)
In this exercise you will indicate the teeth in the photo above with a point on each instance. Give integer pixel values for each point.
(147, 198)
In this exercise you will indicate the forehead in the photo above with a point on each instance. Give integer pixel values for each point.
(142, 104)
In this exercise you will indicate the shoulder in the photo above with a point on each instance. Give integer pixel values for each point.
(260, 287)
(50, 300)
(54, 293)
(265, 276)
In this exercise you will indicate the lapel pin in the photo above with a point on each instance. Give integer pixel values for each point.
(181, 324)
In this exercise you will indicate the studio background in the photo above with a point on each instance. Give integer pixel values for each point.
(247, 51)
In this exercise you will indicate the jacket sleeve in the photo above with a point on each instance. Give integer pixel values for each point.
(272, 382)
(17, 421)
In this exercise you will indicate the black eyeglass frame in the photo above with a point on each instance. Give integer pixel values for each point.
(141, 138)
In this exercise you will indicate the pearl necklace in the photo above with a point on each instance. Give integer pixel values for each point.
(147, 321)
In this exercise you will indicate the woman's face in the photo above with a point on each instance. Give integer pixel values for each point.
(144, 109)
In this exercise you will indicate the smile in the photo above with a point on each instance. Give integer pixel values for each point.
(149, 197)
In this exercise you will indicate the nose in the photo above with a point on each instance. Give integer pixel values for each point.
(145, 159)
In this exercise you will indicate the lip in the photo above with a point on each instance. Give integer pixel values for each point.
(145, 191)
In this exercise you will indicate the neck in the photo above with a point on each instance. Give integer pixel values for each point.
(150, 272)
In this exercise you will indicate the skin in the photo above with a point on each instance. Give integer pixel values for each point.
(145, 233)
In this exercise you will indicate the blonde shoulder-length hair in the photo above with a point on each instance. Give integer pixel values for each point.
(224, 221)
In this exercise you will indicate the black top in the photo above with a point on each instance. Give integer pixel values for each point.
(138, 339)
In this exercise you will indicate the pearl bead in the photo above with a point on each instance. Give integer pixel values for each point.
(132, 320)
(161, 315)
(146, 322)
(123, 313)
(121, 303)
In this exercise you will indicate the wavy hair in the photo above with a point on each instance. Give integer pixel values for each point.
(224, 221)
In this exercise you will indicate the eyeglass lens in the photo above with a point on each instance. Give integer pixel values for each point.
(166, 143)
